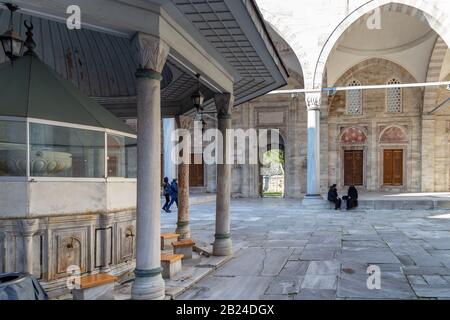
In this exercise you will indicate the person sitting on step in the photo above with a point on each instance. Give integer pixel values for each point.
(334, 197)
(352, 198)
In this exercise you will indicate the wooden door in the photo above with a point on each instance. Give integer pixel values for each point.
(353, 167)
(393, 167)
(196, 172)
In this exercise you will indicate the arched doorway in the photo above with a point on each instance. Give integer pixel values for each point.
(272, 181)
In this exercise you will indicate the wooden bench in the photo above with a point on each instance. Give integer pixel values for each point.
(184, 247)
(167, 239)
(171, 264)
(95, 287)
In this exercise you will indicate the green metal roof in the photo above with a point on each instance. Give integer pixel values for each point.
(29, 88)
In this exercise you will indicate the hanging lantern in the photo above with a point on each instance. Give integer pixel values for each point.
(198, 98)
(11, 42)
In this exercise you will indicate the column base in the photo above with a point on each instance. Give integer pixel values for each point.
(315, 201)
(184, 230)
(148, 287)
(222, 246)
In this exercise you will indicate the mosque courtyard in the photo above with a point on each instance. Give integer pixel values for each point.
(283, 251)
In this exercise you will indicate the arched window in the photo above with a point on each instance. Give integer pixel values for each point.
(354, 99)
(394, 100)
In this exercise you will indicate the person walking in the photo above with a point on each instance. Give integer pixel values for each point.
(166, 191)
(173, 193)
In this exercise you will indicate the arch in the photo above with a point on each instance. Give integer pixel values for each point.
(422, 9)
(433, 75)
(353, 135)
(290, 40)
(393, 134)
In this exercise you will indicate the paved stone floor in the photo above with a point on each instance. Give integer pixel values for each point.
(285, 252)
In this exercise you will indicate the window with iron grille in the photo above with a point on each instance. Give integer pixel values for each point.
(354, 99)
(394, 99)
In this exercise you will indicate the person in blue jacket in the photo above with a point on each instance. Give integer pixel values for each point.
(167, 191)
(173, 193)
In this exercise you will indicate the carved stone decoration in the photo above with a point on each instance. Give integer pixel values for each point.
(2, 252)
(353, 135)
(224, 104)
(393, 134)
(313, 100)
(184, 122)
(68, 254)
(151, 52)
(127, 243)
(103, 247)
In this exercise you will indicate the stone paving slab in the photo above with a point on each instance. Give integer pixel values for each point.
(324, 254)
(393, 286)
(231, 288)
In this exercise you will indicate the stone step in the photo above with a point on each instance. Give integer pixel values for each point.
(316, 203)
(171, 264)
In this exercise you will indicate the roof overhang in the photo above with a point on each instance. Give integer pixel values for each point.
(225, 41)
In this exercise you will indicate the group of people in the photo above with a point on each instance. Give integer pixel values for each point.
(170, 193)
(351, 198)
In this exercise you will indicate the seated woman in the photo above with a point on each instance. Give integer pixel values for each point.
(352, 201)
(334, 197)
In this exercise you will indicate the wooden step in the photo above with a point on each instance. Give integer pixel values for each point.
(167, 239)
(169, 257)
(94, 280)
(171, 264)
(184, 247)
(183, 243)
(95, 287)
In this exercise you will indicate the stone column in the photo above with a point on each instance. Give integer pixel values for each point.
(152, 55)
(222, 244)
(170, 169)
(29, 228)
(105, 223)
(183, 229)
(313, 158)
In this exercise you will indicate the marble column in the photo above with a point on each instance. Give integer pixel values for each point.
(152, 55)
(313, 156)
(170, 169)
(183, 229)
(29, 227)
(105, 222)
(222, 244)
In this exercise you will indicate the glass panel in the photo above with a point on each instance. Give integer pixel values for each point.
(122, 157)
(13, 148)
(66, 152)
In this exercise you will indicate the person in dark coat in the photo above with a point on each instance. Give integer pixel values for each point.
(333, 196)
(352, 201)
(173, 193)
(166, 191)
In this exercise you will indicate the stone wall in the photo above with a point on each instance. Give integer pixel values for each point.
(287, 113)
(59, 224)
(373, 122)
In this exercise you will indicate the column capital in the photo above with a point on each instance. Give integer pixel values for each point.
(184, 122)
(29, 227)
(151, 52)
(224, 105)
(313, 100)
